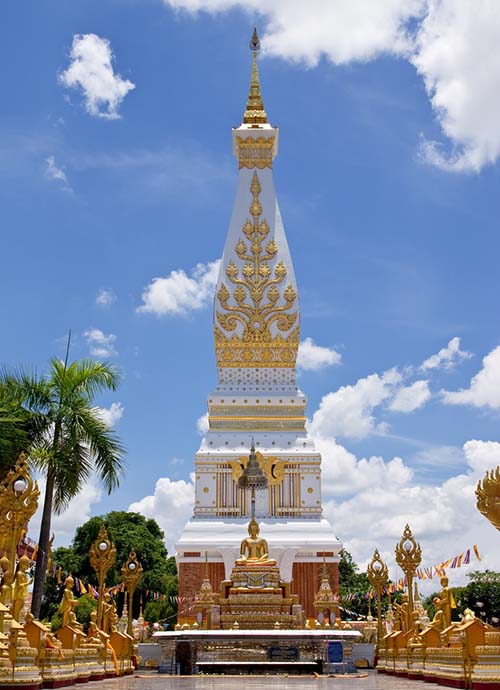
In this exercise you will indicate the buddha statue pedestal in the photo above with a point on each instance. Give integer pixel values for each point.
(56, 668)
(23, 673)
(256, 598)
(123, 645)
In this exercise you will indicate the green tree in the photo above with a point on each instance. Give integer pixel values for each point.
(353, 585)
(68, 561)
(17, 429)
(72, 441)
(481, 595)
(127, 531)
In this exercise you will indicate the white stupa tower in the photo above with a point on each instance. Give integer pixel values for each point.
(256, 332)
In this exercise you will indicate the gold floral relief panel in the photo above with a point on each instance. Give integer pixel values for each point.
(257, 302)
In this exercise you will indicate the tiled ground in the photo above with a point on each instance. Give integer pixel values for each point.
(161, 682)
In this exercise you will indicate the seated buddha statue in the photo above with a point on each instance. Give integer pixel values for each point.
(439, 622)
(254, 549)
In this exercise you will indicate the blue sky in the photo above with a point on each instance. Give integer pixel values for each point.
(394, 237)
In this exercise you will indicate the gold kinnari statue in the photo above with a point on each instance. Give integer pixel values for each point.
(68, 601)
(254, 549)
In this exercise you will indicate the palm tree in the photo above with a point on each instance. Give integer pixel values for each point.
(70, 441)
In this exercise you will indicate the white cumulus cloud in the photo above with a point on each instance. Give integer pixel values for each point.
(91, 69)
(410, 398)
(79, 510)
(100, 344)
(457, 56)
(452, 45)
(484, 388)
(202, 424)
(111, 415)
(180, 293)
(343, 474)
(444, 517)
(313, 357)
(348, 412)
(171, 505)
(105, 297)
(447, 357)
(341, 30)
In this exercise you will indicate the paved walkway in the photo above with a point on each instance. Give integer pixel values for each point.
(372, 681)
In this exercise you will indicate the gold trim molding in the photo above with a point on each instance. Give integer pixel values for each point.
(255, 152)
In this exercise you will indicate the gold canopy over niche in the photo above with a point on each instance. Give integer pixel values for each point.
(257, 306)
(273, 468)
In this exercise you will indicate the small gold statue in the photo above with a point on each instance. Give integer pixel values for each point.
(403, 614)
(6, 590)
(254, 549)
(439, 620)
(113, 618)
(68, 601)
(93, 630)
(446, 600)
(20, 587)
(73, 622)
(106, 613)
(468, 616)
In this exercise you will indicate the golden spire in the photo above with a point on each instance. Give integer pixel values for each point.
(255, 113)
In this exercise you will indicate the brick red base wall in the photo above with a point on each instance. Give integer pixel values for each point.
(305, 583)
(191, 576)
(306, 578)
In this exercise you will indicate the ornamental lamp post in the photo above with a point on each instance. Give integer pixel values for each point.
(102, 556)
(377, 574)
(131, 576)
(18, 502)
(408, 557)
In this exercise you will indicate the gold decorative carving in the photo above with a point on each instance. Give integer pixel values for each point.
(488, 497)
(255, 152)
(256, 298)
(273, 468)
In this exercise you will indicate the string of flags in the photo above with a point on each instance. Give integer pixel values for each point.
(423, 573)
(463, 558)
(86, 588)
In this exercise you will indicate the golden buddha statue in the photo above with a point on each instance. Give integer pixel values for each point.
(254, 549)
(73, 622)
(7, 588)
(93, 630)
(68, 602)
(403, 614)
(439, 620)
(446, 600)
(20, 587)
(106, 613)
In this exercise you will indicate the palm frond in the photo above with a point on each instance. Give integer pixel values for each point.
(86, 377)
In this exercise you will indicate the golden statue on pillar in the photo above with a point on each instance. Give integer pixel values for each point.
(253, 548)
